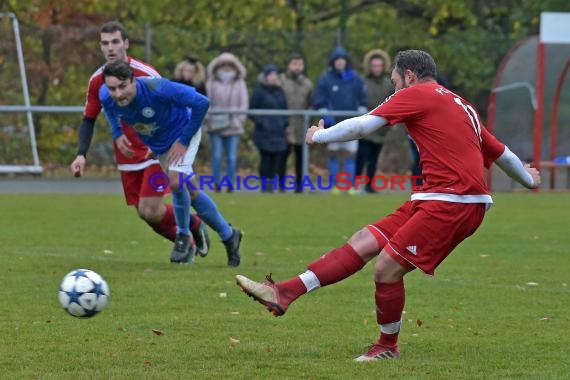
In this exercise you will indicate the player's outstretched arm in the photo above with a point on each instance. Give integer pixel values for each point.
(524, 174)
(85, 135)
(349, 129)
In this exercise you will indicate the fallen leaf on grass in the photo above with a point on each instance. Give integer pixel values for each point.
(157, 332)
(234, 312)
(147, 362)
(419, 322)
(483, 255)
(544, 319)
(532, 283)
(233, 343)
(365, 322)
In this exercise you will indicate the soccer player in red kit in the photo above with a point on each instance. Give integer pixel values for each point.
(131, 155)
(454, 149)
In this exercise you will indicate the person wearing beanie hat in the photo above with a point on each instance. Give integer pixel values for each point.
(268, 69)
(269, 134)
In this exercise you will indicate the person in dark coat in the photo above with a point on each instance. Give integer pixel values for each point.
(269, 134)
(377, 70)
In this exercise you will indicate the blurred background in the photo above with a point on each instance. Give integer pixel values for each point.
(468, 39)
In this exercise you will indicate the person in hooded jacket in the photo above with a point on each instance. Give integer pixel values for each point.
(269, 135)
(340, 88)
(226, 89)
(192, 73)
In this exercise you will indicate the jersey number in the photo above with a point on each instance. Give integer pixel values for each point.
(470, 111)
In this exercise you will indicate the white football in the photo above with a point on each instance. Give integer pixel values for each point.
(83, 293)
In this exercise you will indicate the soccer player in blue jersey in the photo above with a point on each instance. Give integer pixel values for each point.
(167, 117)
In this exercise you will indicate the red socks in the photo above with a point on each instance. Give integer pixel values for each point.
(290, 290)
(341, 263)
(336, 265)
(167, 226)
(390, 299)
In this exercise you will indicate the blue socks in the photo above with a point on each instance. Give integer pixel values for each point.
(334, 169)
(208, 211)
(181, 207)
(349, 167)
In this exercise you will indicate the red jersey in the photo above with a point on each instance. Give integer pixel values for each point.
(93, 109)
(453, 143)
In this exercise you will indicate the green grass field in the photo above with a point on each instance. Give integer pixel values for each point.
(481, 317)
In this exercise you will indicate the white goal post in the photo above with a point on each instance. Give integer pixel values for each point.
(36, 167)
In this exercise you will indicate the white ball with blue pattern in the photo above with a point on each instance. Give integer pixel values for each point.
(83, 293)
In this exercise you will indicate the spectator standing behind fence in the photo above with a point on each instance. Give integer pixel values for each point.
(340, 89)
(376, 66)
(191, 72)
(299, 93)
(226, 89)
(269, 134)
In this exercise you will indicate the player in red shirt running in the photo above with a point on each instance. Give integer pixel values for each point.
(135, 166)
(454, 149)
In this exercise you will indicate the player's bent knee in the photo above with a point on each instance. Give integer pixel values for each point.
(174, 184)
(193, 193)
(151, 211)
(388, 270)
(365, 244)
(174, 180)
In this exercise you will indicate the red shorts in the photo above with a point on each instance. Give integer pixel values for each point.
(421, 234)
(138, 184)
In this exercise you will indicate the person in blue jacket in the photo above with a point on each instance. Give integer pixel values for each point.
(167, 117)
(340, 88)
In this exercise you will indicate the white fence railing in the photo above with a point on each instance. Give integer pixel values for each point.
(307, 116)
